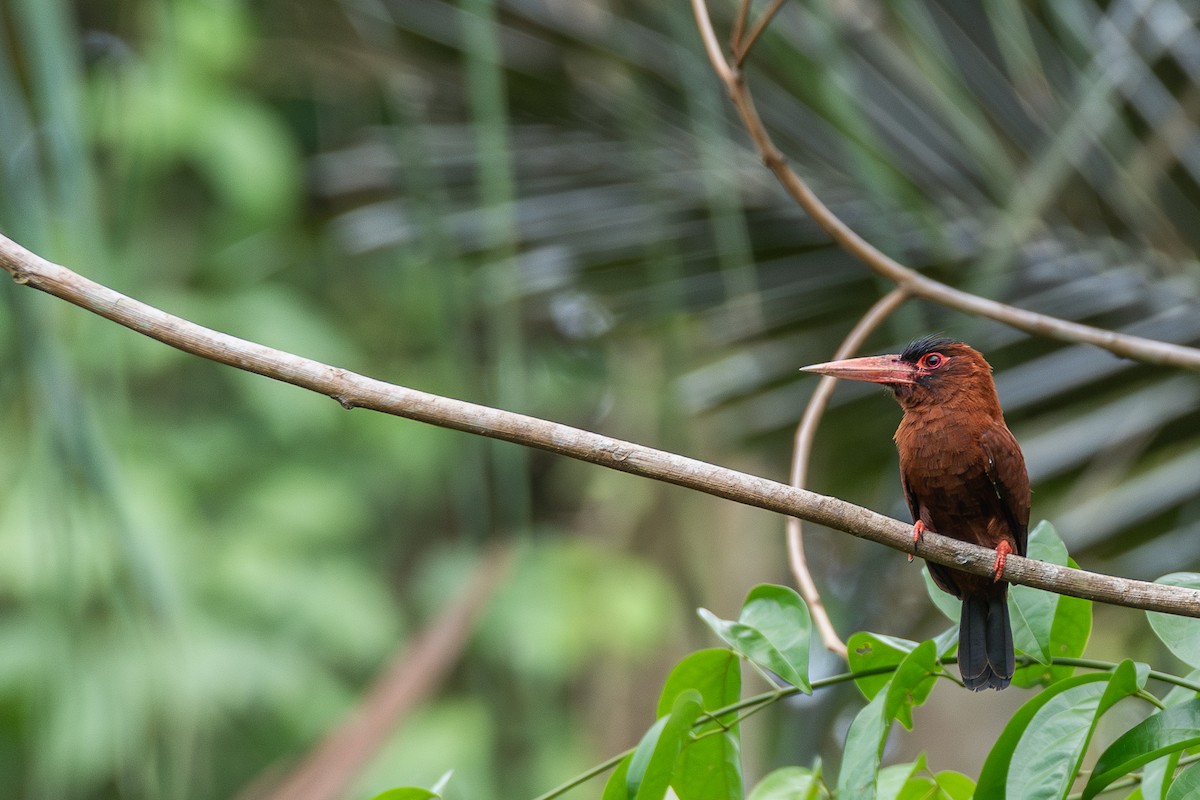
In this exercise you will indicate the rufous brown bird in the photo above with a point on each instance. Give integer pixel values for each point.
(963, 476)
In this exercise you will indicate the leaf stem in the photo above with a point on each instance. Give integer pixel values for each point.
(584, 777)
(1087, 663)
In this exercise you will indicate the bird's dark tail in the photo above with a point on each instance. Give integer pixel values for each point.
(985, 645)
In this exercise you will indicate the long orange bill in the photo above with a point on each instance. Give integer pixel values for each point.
(872, 369)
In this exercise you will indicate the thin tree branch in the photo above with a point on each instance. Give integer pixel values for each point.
(739, 25)
(805, 432)
(711, 46)
(1136, 347)
(741, 49)
(358, 391)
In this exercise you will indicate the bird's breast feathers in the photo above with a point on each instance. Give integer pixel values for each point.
(948, 481)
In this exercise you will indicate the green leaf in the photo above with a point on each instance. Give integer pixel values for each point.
(639, 761)
(1157, 774)
(1051, 750)
(653, 762)
(617, 787)
(955, 785)
(1032, 614)
(913, 781)
(993, 778)
(1128, 678)
(946, 603)
(946, 641)
(773, 631)
(788, 783)
(1186, 784)
(912, 682)
(1033, 611)
(918, 787)
(781, 615)
(1180, 634)
(1167, 731)
(710, 767)
(869, 651)
(909, 686)
(892, 781)
(714, 673)
(864, 746)
(1046, 545)
(1068, 639)
(1073, 629)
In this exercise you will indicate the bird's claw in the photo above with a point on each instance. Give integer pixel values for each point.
(1002, 551)
(918, 530)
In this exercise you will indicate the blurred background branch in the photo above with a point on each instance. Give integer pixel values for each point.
(331, 769)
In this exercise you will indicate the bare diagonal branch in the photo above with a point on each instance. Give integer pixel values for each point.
(329, 770)
(358, 391)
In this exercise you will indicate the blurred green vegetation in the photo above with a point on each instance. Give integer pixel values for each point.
(544, 205)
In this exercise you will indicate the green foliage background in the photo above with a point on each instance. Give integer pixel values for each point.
(543, 205)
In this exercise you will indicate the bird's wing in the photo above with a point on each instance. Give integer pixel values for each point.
(1006, 471)
(914, 507)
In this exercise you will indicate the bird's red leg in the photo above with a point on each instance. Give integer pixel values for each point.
(918, 529)
(1002, 551)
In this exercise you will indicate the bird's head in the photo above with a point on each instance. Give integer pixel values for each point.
(930, 371)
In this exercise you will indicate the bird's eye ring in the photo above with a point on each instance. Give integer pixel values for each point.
(931, 360)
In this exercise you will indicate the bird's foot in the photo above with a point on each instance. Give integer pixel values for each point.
(918, 530)
(1002, 551)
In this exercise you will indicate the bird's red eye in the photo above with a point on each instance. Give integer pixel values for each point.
(931, 360)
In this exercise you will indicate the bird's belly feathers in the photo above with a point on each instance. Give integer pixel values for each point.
(952, 494)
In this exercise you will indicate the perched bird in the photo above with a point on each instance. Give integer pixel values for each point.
(963, 476)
